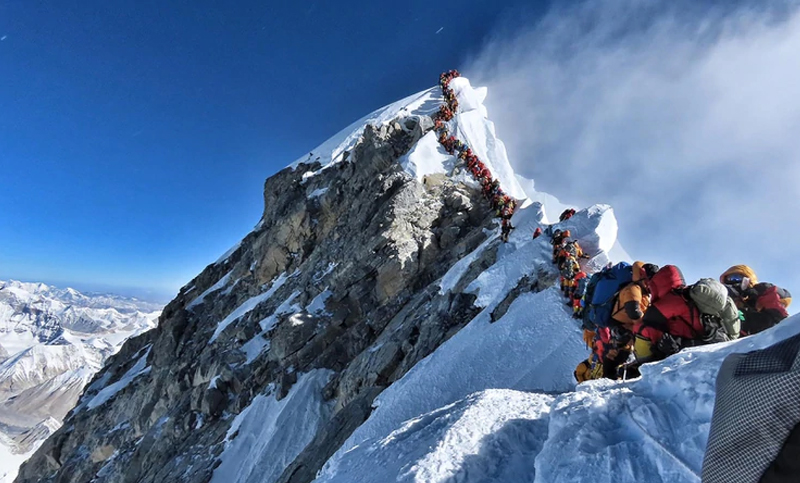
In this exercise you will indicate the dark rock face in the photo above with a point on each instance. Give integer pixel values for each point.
(345, 280)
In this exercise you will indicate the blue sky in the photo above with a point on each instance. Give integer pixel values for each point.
(135, 137)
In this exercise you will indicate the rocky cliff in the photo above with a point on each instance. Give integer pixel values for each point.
(372, 252)
(338, 276)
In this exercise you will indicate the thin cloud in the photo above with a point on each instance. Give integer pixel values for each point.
(684, 118)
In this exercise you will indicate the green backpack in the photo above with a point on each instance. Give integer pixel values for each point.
(712, 300)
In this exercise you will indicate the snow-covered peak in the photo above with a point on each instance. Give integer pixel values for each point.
(332, 151)
(471, 125)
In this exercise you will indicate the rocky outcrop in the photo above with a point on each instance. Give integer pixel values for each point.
(340, 274)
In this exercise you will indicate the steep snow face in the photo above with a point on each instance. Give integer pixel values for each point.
(52, 342)
(271, 433)
(489, 436)
(653, 428)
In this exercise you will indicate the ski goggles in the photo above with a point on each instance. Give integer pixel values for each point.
(734, 278)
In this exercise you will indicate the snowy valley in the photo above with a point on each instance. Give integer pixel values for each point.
(52, 342)
(373, 328)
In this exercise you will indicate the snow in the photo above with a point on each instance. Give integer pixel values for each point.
(225, 256)
(317, 193)
(272, 433)
(217, 286)
(534, 347)
(238, 313)
(255, 346)
(653, 428)
(317, 306)
(427, 157)
(286, 307)
(10, 461)
(248, 305)
(489, 436)
(332, 151)
(138, 369)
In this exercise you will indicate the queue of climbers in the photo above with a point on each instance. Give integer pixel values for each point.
(503, 204)
(634, 314)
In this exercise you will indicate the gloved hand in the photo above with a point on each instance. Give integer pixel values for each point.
(669, 345)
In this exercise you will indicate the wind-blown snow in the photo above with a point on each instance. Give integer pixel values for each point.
(269, 434)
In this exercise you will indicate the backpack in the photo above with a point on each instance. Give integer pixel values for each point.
(570, 268)
(571, 248)
(602, 292)
(580, 289)
(717, 309)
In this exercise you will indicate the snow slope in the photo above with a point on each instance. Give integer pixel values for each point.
(271, 433)
(650, 429)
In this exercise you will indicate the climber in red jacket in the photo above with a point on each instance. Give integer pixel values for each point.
(669, 316)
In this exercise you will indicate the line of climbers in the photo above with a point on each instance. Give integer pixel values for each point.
(503, 204)
(634, 314)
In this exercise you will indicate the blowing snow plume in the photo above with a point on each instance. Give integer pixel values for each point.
(684, 118)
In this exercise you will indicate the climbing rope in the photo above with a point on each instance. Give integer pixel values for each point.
(503, 204)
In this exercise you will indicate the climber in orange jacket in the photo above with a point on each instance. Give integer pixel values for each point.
(634, 299)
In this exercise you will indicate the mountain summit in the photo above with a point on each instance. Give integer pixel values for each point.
(373, 327)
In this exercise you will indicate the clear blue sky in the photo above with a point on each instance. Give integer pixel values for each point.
(135, 137)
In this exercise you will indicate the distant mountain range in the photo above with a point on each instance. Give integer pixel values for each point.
(52, 342)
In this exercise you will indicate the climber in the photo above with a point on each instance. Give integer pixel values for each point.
(629, 305)
(589, 369)
(580, 281)
(491, 188)
(668, 316)
(633, 299)
(506, 229)
(614, 346)
(765, 308)
(763, 304)
(568, 269)
(702, 313)
(570, 249)
(567, 214)
(558, 240)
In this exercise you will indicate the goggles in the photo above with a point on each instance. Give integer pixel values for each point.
(734, 278)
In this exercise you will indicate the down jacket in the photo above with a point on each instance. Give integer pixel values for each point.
(669, 311)
(633, 300)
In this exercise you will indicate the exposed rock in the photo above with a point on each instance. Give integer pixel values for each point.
(345, 281)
